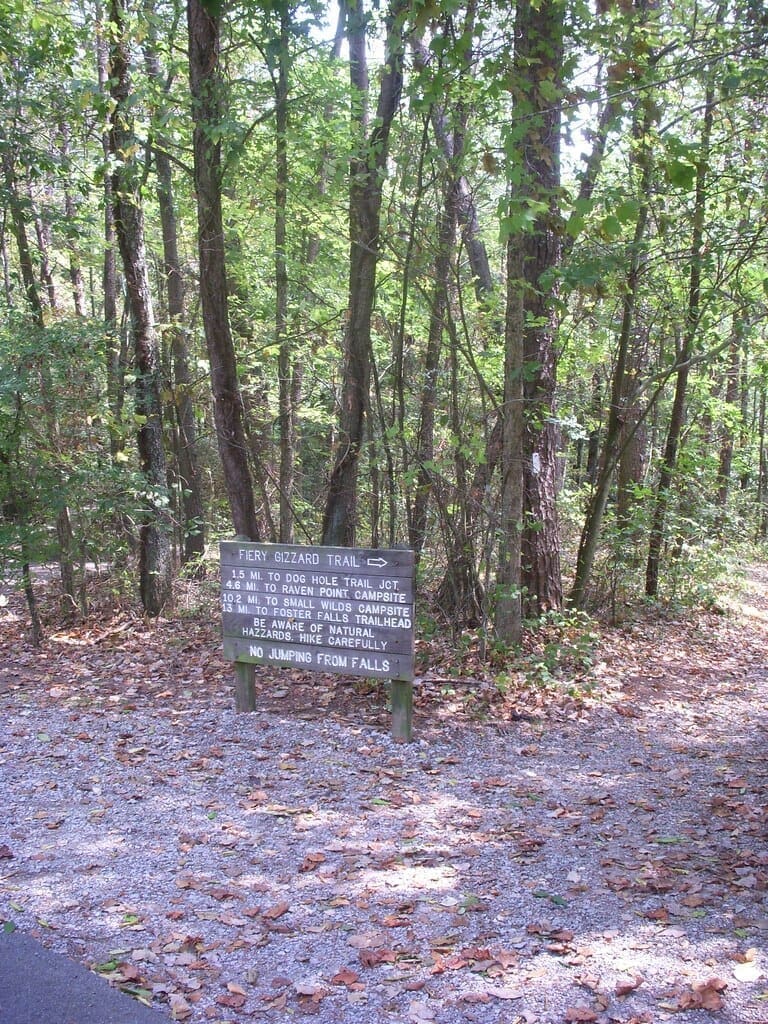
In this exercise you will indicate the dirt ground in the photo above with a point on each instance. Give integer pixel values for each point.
(582, 847)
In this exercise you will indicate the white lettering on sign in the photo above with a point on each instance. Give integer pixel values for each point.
(251, 555)
(328, 609)
(369, 584)
(297, 557)
(286, 654)
(342, 561)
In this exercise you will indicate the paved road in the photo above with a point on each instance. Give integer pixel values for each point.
(41, 987)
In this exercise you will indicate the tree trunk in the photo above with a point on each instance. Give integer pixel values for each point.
(190, 479)
(632, 444)
(508, 616)
(70, 214)
(733, 401)
(287, 413)
(425, 441)
(207, 110)
(154, 527)
(762, 480)
(116, 350)
(366, 173)
(683, 361)
(598, 499)
(539, 57)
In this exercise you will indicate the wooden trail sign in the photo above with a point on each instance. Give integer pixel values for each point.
(342, 610)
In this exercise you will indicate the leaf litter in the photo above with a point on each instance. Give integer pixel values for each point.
(600, 859)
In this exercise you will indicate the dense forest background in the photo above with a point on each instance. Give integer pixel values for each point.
(487, 280)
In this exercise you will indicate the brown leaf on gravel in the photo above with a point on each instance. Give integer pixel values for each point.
(707, 995)
(376, 957)
(221, 893)
(231, 1000)
(273, 913)
(5, 852)
(627, 985)
(345, 976)
(180, 1008)
(576, 1014)
(311, 861)
(660, 914)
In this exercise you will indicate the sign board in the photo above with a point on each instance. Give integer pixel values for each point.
(343, 610)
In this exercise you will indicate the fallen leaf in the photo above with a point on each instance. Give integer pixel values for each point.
(375, 957)
(180, 1008)
(420, 1011)
(705, 996)
(311, 861)
(627, 985)
(579, 1014)
(231, 1001)
(273, 913)
(310, 988)
(505, 992)
(345, 976)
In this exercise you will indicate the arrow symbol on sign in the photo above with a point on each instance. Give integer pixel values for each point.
(381, 562)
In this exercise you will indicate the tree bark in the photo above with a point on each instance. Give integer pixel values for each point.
(154, 527)
(70, 214)
(693, 313)
(508, 618)
(116, 348)
(367, 170)
(287, 412)
(598, 499)
(733, 401)
(190, 478)
(206, 87)
(539, 55)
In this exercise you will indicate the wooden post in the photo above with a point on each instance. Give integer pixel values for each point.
(402, 710)
(245, 686)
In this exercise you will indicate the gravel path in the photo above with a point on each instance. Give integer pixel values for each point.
(608, 868)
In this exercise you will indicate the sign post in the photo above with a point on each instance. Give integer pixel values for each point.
(348, 611)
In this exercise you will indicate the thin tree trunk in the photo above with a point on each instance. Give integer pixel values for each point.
(425, 440)
(366, 173)
(762, 482)
(207, 109)
(70, 214)
(42, 231)
(508, 615)
(460, 596)
(190, 477)
(677, 416)
(287, 413)
(616, 414)
(7, 289)
(154, 528)
(63, 522)
(116, 348)
(632, 444)
(733, 401)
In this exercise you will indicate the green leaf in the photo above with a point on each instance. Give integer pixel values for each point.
(611, 226)
(627, 212)
(681, 173)
(558, 901)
